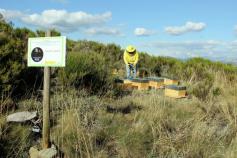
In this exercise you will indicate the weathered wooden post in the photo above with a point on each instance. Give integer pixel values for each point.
(46, 103)
(46, 52)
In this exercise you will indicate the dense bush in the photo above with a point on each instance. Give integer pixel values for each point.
(12, 54)
(86, 70)
(15, 78)
(112, 53)
(201, 89)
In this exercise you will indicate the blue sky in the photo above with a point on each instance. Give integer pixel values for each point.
(178, 28)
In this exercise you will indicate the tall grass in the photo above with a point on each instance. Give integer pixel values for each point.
(148, 124)
(141, 124)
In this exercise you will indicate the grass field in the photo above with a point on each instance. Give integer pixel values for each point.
(140, 124)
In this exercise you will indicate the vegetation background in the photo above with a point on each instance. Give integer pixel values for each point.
(143, 124)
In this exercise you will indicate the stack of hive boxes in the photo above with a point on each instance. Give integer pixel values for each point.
(125, 84)
(156, 82)
(170, 81)
(175, 91)
(172, 89)
(140, 84)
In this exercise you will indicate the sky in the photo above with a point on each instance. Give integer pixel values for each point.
(177, 28)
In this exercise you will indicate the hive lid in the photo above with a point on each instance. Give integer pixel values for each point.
(158, 79)
(140, 80)
(170, 77)
(117, 80)
(175, 87)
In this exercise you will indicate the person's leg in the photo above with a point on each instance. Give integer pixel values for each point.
(128, 71)
(134, 71)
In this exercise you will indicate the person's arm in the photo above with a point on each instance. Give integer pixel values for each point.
(136, 59)
(125, 58)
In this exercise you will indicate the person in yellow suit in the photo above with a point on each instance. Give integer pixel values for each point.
(130, 57)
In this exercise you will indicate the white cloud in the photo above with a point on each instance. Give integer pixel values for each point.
(143, 32)
(188, 44)
(58, 19)
(233, 46)
(103, 31)
(188, 27)
(212, 49)
(9, 14)
(235, 29)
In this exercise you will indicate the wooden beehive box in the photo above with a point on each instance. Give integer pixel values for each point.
(170, 81)
(127, 84)
(175, 91)
(127, 81)
(124, 84)
(156, 82)
(140, 84)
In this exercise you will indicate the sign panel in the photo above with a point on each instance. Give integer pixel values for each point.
(47, 51)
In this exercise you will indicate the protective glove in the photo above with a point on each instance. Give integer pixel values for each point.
(130, 65)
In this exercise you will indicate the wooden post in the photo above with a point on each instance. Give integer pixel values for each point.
(46, 104)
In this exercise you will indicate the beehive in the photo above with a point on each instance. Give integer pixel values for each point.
(127, 81)
(140, 84)
(170, 81)
(127, 84)
(156, 82)
(175, 91)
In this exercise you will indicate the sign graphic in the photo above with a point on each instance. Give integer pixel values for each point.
(47, 51)
(37, 54)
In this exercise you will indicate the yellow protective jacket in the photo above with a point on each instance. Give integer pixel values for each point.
(130, 59)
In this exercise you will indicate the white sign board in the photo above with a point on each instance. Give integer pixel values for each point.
(47, 51)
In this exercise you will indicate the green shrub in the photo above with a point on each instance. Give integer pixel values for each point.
(15, 78)
(202, 89)
(86, 70)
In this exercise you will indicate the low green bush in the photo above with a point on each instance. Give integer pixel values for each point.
(202, 89)
(86, 70)
(16, 79)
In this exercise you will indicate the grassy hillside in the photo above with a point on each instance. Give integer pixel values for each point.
(92, 118)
